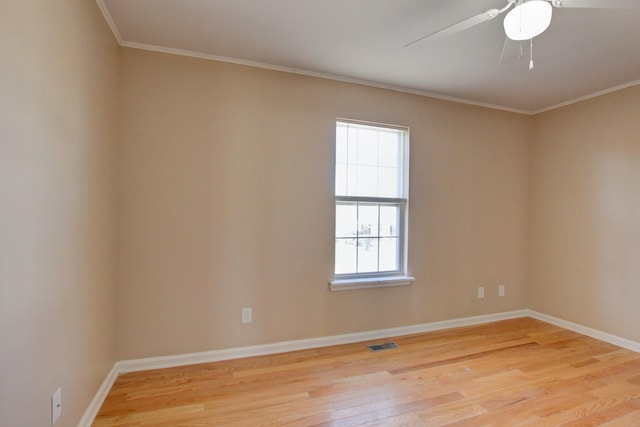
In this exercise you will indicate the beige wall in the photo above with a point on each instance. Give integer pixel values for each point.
(585, 264)
(58, 85)
(226, 202)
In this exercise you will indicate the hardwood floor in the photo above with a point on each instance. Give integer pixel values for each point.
(520, 372)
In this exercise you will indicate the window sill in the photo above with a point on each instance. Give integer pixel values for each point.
(370, 282)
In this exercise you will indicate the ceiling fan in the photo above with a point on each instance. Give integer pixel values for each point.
(527, 19)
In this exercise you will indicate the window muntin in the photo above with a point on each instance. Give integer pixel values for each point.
(371, 199)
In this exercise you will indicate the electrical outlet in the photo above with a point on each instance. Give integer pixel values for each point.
(56, 405)
(480, 292)
(501, 290)
(247, 315)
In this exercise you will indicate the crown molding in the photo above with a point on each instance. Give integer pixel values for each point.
(107, 17)
(586, 97)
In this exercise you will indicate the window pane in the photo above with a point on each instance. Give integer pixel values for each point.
(389, 149)
(346, 219)
(341, 144)
(389, 185)
(389, 220)
(367, 181)
(373, 159)
(367, 147)
(367, 255)
(389, 254)
(341, 180)
(352, 138)
(352, 180)
(368, 219)
(346, 256)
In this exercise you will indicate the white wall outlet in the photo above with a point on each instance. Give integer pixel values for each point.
(501, 290)
(56, 405)
(480, 292)
(247, 315)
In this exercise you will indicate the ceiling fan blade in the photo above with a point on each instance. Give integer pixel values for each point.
(598, 4)
(458, 27)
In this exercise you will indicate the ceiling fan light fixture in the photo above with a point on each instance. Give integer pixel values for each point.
(528, 19)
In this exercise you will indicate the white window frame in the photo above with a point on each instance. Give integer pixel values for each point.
(398, 277)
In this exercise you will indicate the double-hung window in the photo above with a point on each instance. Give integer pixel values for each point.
(371, 196)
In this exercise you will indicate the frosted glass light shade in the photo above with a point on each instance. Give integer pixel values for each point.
(528, 19)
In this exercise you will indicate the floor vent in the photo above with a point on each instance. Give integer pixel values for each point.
(384, 346)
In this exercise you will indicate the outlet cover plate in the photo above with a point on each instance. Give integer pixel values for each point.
(480, 292)
(247, 315)
(56, 405)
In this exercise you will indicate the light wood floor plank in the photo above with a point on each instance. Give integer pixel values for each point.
(520, 372)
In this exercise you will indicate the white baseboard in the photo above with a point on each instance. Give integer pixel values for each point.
(97, 401)
(133, 365)
(281, 347)
(593, 333)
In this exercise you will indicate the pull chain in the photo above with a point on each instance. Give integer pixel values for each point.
(530, 54)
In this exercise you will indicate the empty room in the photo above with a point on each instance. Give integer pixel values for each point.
(328, 213)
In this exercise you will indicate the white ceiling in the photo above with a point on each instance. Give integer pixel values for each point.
(584, 51)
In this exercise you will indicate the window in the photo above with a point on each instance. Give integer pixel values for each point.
(371, 188)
